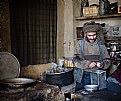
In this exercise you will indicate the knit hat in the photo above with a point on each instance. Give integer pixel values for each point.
(91, 27)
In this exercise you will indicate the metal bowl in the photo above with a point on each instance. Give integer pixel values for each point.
(61, 79)
(91, 88)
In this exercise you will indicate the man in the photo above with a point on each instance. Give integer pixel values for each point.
(88, 52)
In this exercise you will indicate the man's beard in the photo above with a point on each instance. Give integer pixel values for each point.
(90, 40)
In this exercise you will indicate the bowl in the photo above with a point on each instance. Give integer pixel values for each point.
(91, 88)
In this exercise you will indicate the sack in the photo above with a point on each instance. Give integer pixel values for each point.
(117, 74)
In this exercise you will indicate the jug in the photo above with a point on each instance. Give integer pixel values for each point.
(84, 3)
(103, 7)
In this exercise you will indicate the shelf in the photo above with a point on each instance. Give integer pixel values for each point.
(118, 39)
(98, 17)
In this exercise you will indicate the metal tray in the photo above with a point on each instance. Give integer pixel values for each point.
(9, 66)
(18, 81)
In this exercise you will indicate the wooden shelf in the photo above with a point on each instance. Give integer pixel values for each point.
(118, 39)
(98, 17)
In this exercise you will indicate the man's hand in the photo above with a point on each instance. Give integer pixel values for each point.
(92, 64)
(100, 64)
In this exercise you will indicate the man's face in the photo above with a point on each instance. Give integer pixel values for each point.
(91, 36)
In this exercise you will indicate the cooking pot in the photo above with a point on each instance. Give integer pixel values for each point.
(60, 79)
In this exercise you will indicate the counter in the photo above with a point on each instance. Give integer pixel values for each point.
(101, 95)
(33, 92)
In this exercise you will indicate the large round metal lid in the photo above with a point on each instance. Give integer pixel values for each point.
(9, 66)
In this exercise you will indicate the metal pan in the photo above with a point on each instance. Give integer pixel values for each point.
(18, 81)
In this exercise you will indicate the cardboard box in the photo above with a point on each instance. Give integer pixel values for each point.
(90, 11)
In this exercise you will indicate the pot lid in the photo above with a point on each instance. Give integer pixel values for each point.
(9, 66)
